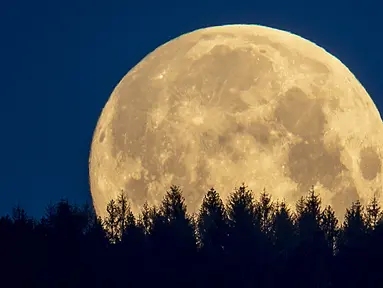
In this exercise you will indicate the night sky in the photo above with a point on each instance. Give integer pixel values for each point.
(60, 61)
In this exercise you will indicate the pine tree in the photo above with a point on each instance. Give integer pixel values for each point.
(96, 234)
(299, 207)
(19, 215)
(284, 232)
(66, 221)
(64, 226)
(212, 226)
(145, 218)
(96, 249)
(354, 226)
(171, 222)
(309, 216)
(24, 242)
(173, 213)
(312, 255)
(89, 216)
(172, 239)
(212, 222)
(111, 222)
(242, 210)
(132, 233)
(329, 226)
(373, 252)
(245, 237)
(131, 246)
(266, 210)
(124, 214)
(351, 258)
(373, 213)
(284, 241)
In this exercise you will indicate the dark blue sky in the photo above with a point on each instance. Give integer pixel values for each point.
(60, 60)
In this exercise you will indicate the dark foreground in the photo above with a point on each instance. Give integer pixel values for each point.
(248, 243)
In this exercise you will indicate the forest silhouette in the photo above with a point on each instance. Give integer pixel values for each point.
(252, 241)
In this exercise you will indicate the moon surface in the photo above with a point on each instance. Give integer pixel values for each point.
(238, 103)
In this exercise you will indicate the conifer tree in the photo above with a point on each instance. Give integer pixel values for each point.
(284, 232)
(242, 210)
(96, 234)
(173, 212)
(312, 255)
(158, 248)
(111, 221)
(299, 207)
(145, 218)
(212, 226)
(125, 216)
(354, 226)
(373, 213)
(309, 216)
(172, 238)
(266, 211)
(133, 235)
(329, 226)
(373, 251)
(245, 237)
(171, 228)
(351, 258)
(284, 241)
(25, 247)
(96, 252)
(64, 227)
(65, 220)
(212, 222)
(19, 215)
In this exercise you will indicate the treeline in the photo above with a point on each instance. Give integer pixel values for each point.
(252, 241)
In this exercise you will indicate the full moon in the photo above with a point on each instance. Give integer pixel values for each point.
(237, 103)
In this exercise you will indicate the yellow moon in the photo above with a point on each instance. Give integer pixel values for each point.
(238, 103)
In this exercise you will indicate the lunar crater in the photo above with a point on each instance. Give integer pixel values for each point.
(312, 162)
(370, 163)
(300, 115)
(102, 137)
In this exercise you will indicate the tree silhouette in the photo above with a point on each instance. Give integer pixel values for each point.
(94, 250)
(125, 216)
(172, 237)
(212, 225)
(373, 213)
(111, 222)
(128, 247)
(354, 227)
(312, 256)
(266, 211)
(329, 226)
(96, 235)
(309, 216)
(63, 226)
(284, 240)
(373, 252)
(247, 243)
(178, 223)
(284, 231)
(21, 249)
(245, 237)
(351, 259)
